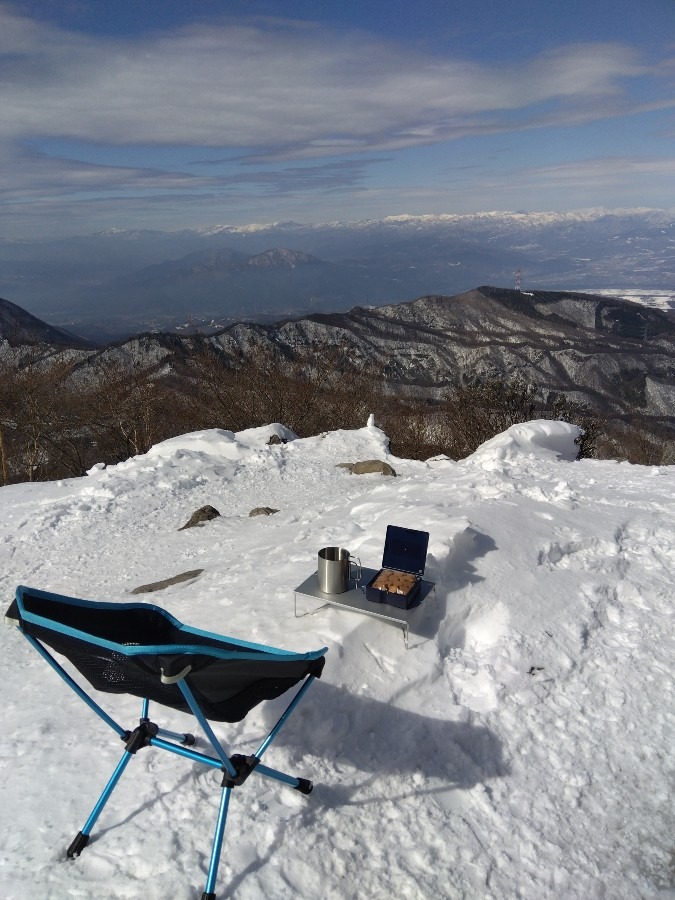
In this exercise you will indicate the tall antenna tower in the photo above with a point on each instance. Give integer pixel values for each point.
(518, 275)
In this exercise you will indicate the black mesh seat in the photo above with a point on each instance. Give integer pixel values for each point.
(142, 650)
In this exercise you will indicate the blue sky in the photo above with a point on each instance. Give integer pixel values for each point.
(172, 114)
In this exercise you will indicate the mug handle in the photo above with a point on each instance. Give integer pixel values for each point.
(357, 566)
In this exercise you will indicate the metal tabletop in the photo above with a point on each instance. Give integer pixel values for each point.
(355, 600)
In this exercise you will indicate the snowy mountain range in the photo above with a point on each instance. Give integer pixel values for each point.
(609, 354)
(127, 279)
(612, 355)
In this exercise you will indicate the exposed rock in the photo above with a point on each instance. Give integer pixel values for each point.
(203, 514)
(275, 439)
(262, 511)
(167, 582)
(366, 466)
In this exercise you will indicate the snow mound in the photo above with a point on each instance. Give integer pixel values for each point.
(218, 443)
(541, 439)
(214, 442)
(260, 437)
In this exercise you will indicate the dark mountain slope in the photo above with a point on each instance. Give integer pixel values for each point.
(19, 328)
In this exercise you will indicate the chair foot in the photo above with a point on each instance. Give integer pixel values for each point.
(206, 896)
(304, 786)
(78, 845)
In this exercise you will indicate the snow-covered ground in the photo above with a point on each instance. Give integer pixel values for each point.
(659, 299)
(521, 748)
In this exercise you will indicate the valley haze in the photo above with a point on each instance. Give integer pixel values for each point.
(119, 282)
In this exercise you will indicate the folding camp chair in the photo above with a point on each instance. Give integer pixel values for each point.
(139, 649)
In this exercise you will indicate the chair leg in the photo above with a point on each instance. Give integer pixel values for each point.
(82, 837)
(209, 890)
(300, 784)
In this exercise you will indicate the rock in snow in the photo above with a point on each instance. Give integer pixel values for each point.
(520, 748)
(369, 467)
(167, 582)
(199, 516)
(262, 511)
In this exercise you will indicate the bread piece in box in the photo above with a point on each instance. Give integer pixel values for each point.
(398, 581)
(393, 581)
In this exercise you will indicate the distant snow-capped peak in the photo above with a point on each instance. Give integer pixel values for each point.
(433, 219)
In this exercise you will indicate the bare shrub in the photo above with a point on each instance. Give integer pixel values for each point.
(307, 394)
(57, 422)
(126, 410)
(472, 414)
(40, 435)
(638, 440)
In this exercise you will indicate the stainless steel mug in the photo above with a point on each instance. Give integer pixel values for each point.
(335, 564)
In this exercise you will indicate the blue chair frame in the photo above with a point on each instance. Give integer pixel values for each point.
(140, 649)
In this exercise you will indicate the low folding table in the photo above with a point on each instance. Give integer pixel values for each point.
(355, 600)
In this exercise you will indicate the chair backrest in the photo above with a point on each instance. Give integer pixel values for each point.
(140, 649)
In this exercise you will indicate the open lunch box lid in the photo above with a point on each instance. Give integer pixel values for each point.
(405, 549)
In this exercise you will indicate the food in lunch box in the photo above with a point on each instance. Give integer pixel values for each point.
(394, 582)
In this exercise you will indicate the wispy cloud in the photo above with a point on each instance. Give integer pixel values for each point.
(580, 182)
(279, 89)
(610, 169)
(288, 109)
(29, 174)
(329, 176)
